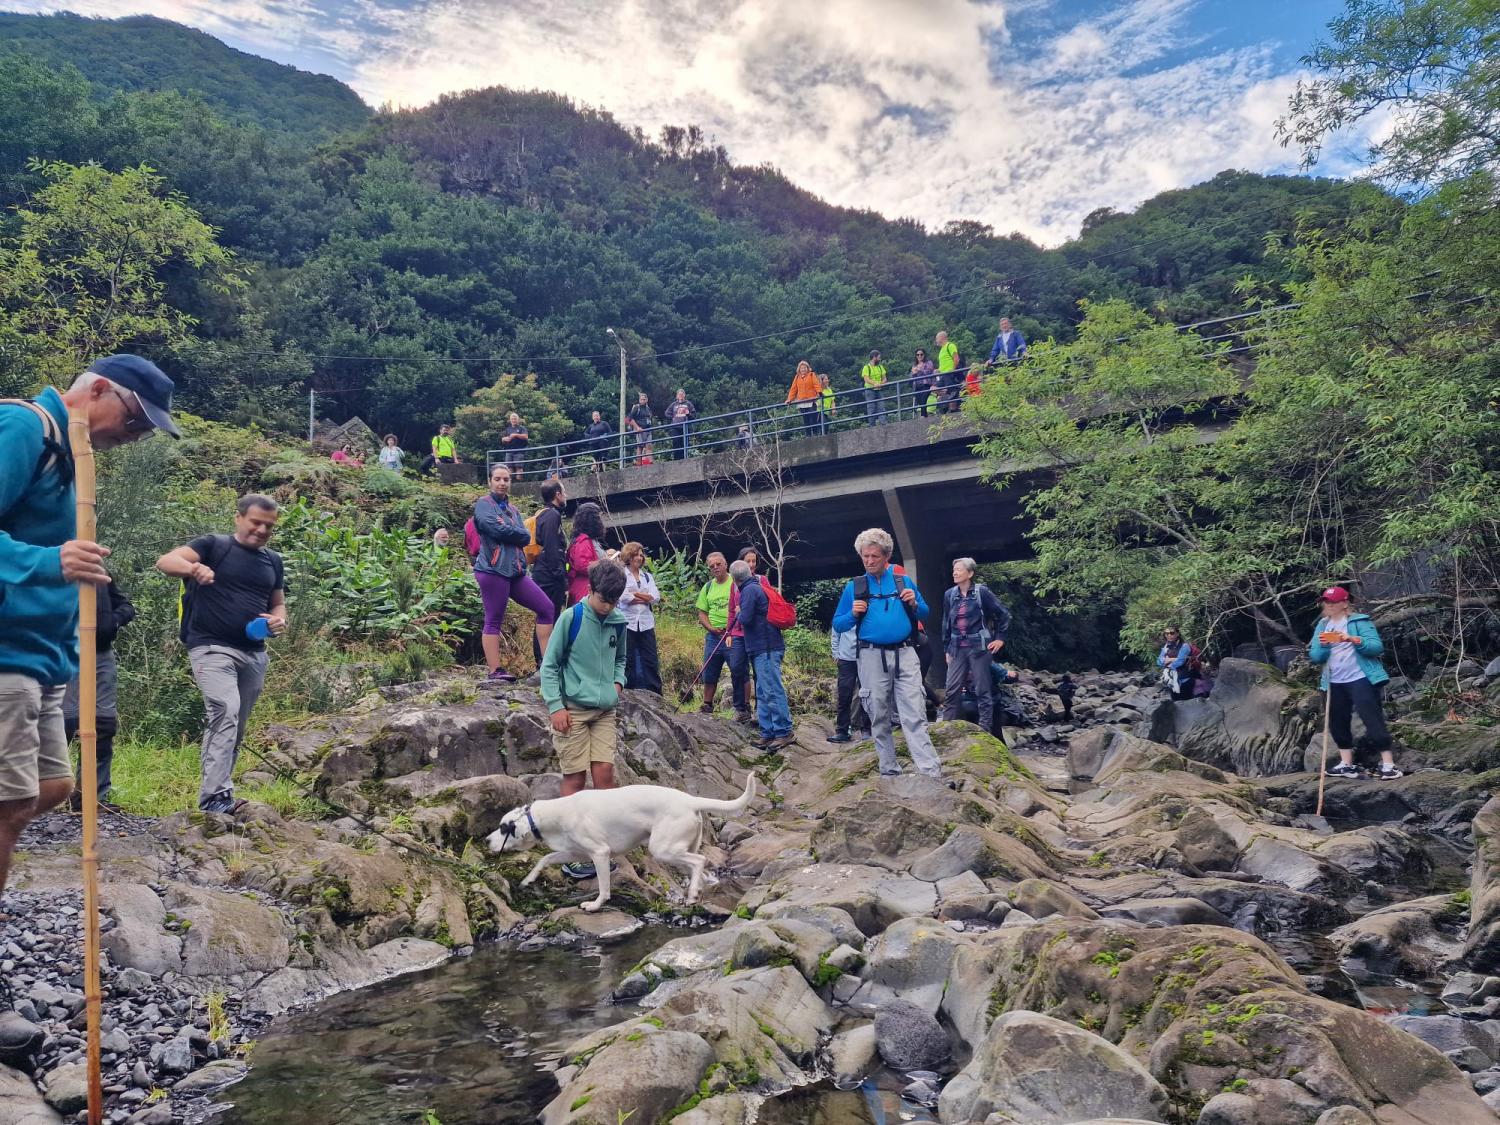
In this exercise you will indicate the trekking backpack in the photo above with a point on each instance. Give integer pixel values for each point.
(1194, 660)
(779, 612)
(471, 539)
(862, 594)
(533, 549)
(54, 452)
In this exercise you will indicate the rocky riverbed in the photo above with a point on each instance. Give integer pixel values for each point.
(1136, 919)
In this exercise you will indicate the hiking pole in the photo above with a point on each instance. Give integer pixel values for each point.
(686, 693)
(1323, 749)
(88, 671)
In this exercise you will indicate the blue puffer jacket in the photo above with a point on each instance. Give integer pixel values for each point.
(1367, 652)
(502, 535)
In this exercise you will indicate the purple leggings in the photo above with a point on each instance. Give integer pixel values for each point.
(496, 592)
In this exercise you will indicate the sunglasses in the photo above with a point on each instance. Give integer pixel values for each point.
(135, 416)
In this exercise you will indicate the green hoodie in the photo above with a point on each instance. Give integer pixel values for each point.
(584, 674)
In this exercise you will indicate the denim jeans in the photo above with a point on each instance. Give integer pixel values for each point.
(770, 696)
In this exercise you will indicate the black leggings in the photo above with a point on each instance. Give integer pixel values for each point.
(105, 727)
(1364, 697)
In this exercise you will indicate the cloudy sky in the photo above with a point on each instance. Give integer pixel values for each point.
(1025, 114)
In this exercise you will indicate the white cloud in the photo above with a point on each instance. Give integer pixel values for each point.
(923, 108)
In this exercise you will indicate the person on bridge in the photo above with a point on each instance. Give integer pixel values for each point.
(883, 611)
(639, 421)
(948, 376)
(805, 393)
(586, 549)
(974, 627)
(500, 570)
(825, 404)
(598, 431)
(765, 648)
(443, 450)
(923, 376)
(1349, 647)
(872, 375)
(1010, 345)
(515, 439)
(680, 413)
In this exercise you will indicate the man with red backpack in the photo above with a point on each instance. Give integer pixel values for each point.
(765, 648)
(1180, 664)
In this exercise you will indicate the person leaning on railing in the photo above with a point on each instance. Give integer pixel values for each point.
(805, 394)
(872, 375)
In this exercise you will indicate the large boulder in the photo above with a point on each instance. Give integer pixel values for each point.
(872, 897)
(642, 1075)
(228, 933)
(1204, 1008)
(21, 1103)
(1252, 725)
(910, 1038)
(1482, 950)
(138, 939)
(911, 958)
(1036, 1069)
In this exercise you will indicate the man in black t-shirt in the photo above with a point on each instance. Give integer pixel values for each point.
(515, 439)
(234, 597)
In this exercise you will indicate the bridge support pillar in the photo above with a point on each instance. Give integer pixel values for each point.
(923, 556)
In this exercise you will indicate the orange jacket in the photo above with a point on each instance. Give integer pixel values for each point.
(805, 385)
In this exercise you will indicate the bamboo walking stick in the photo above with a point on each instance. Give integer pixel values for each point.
(1323, 749)
(88, 671)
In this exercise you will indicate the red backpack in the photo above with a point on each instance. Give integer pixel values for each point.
(471, 539)
(779, 612)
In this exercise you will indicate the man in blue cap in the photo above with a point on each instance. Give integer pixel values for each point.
(41, 562)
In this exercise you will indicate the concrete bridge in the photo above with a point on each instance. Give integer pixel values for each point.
(916, 477)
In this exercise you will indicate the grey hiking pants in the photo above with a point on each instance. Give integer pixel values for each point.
(881, 671)
(972, 666)
(230, 680)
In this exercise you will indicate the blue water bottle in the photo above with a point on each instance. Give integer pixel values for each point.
(258, 629)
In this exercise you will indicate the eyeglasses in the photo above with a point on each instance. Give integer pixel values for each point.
(135, 416)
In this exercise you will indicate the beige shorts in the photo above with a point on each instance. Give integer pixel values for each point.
(590, 738)
(33, 743)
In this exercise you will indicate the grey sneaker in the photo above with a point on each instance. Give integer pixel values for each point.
(1389, 772)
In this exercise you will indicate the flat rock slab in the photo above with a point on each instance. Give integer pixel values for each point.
(20, 1103)
(604, 926)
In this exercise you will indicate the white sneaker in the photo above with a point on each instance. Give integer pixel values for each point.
(1343, 769)
(1389, 772)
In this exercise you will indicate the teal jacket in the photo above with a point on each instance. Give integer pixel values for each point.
(1367, 652)
(583, 674)
(38, 610)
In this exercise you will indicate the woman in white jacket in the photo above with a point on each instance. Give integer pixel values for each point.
(642, 665)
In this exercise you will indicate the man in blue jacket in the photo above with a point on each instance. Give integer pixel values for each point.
(765, 648)
(883, 610)
(1010, 345)
(41, 563)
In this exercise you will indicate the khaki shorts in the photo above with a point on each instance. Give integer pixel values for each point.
(33, 744)
(590, 738)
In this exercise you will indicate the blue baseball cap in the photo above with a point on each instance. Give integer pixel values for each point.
(152, 388)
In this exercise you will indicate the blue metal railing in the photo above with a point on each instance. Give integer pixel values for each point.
(896, 399)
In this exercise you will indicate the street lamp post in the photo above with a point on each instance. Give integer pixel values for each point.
(621, 345)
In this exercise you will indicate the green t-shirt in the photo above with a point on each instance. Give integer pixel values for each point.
(873, 374)
(948, 356)
(713, 600)
(442, 446)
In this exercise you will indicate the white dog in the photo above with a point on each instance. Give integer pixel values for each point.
(596, 823)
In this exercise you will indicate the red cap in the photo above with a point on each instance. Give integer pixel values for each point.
(1335, 594)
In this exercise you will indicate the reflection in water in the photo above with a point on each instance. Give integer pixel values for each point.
(473, 1040)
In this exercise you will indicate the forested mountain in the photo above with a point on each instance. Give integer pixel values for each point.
(143, 53)
(399, 265)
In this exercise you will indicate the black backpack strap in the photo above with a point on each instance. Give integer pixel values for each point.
(55, 455)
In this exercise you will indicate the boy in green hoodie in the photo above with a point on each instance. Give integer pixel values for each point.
(583, 673)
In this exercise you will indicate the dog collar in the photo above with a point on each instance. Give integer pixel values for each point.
(530, 823)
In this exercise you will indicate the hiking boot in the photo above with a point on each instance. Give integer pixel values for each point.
(1344, 769)
(744, 718)
(840, 736)
(1388, 772)
(780, 742)
(706, 708)
(890, 773)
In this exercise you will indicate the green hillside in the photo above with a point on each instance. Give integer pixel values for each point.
(143, 53)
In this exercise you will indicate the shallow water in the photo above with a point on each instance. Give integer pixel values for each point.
(473, 1040)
